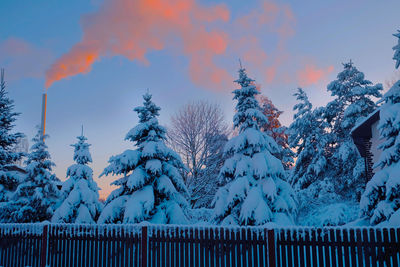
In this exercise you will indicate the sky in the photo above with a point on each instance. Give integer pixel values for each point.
(96, 58)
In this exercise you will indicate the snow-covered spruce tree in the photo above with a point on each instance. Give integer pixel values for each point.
(381, 200)
(8, 179)
(352, 102)
(79, 194)
(308, 137)
(151, 188)
(277, 131)
(36, 196)
(318, 203)
(256, 192)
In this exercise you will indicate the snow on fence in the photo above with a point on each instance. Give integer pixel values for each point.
(166, 245)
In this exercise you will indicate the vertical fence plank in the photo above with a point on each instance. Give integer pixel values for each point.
(359, 247)
(222, 246)
(271, 248)
(206, 247)
(238, 249)
(143, 246)
(320, 247)
(249, 241)
(163, 248)
(325, 240)
(346, 247)
(353, 247)
(193, 248)
(181, 248)
(228, 239)
(201, 247)
(301, 236)
(366, 247)
(333, 247)
(313, 244)
(212, 247)
(137, 248)
(175, 250)
(254, 257)
(290, 249)
(58, 250)
(283, 247)
(152, 248)
(197, 248)
(387, 249)
(186, 242)
(261, 241)
(307, 239)
(339, 240)
(244, 246)
(397, 244)
(379, 246)
(394, 242)
(44, 246)
(158, 247)
(168, 250)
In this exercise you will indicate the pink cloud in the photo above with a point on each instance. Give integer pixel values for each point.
(311, 74)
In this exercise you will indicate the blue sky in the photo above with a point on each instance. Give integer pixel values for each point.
(321, 35)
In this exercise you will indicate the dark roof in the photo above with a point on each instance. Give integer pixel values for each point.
(363, 131)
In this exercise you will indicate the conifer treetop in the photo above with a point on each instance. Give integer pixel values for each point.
(304, 106)
(149, 109)
(39, 157)
(81, 151)
(248, 113)
(148, 128)
(351, 83)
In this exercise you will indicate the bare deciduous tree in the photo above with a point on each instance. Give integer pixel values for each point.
(198, 133)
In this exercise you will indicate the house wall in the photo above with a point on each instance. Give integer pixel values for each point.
(375, 142)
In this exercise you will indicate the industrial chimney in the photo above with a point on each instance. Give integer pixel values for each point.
(44, 106)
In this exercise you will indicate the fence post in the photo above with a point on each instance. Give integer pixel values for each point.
(143, 247)
(271, 248)
(43, 253)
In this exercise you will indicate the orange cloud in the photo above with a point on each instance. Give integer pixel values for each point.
(312, 74)
(133, 28)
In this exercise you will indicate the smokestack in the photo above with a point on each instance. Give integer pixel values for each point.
(44, 106)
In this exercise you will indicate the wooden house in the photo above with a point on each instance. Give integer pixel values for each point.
(366, 138)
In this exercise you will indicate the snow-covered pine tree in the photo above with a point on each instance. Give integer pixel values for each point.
(256, 192)
(308, 137)
(151, 188)
(352, 102)
(381, 200)
(8, 179)
(276, 130)
(79, 194)
(36, 196)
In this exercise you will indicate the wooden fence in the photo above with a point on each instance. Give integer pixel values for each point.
(152, 245)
